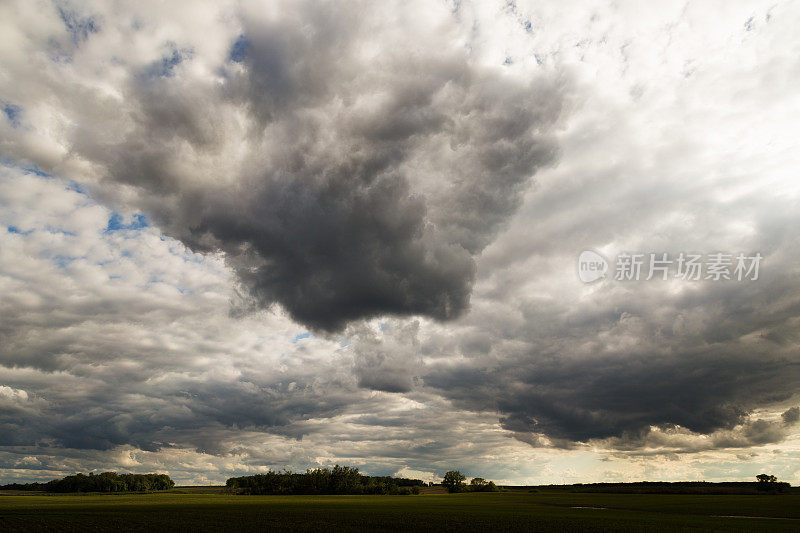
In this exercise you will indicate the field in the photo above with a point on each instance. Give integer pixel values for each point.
(207, 509)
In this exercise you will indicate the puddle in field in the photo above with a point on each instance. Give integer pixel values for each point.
(758, 517)
(584, 507)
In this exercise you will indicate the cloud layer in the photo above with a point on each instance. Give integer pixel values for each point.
(292, 234)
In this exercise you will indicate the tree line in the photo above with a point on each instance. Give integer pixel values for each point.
(455, 481)
(765, 484)
(104, 482)
(338, 480)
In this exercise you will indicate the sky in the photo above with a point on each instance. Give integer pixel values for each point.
(241, 236)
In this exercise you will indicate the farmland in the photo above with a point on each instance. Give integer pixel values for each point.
(211, 509)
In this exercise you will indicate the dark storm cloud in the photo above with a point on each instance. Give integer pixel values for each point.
(790, 416)
(103, 420)
(338, 186)
(576, 401)
(103, 409)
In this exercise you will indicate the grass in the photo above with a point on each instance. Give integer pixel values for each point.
(204, 509)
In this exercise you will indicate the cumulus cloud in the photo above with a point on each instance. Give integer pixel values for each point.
(436, 169)
(345, 169)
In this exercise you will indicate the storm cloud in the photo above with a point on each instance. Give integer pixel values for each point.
(345, 170)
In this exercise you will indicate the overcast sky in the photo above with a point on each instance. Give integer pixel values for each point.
(246, 235)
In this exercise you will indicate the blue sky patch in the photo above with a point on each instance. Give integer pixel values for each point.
(78, 27)
(302, 336)
(117, 223)
(13, 113)
(239, 49)
(16, 230)
(168, 63)
(165, 67)
(32, 169)
(75, 186)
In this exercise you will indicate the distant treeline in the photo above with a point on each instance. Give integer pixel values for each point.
(678, 487)
(105, 482)
(338, 480)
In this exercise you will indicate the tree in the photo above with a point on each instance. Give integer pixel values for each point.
(454, 481)
(478, 484)
(766, 479)
(767, 483)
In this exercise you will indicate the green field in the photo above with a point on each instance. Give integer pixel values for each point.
(208, 510)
